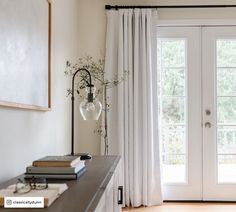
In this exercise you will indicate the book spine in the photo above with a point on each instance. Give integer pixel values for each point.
(51, 164)
(54, 170)
(56, 176)
(52, 176)
(38, 170)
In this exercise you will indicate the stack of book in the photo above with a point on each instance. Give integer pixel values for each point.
(56, 167)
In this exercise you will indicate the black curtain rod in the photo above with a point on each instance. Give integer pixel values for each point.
(116, 7)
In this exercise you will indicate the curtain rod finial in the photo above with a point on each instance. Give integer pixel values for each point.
(107, 7)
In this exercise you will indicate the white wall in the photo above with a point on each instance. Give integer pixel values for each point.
(27, 135)
(92, 28)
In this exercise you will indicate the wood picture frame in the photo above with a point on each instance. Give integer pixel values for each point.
(35, 78)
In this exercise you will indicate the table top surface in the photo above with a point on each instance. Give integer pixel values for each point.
(84, 193)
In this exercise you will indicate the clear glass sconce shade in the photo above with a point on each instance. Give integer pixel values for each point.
(90, 110)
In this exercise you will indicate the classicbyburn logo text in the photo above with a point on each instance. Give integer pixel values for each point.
(23, 202)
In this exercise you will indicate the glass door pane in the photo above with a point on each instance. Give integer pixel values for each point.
(172, 108)
(179, 106)
(226, 110)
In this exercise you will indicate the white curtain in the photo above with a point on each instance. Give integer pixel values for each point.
(133, 113)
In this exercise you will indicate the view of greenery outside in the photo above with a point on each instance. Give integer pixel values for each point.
(226, 101)
(172, 78)
(171, 94)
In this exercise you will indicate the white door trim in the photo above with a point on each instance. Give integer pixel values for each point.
(196, 22)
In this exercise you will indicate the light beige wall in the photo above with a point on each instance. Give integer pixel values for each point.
(27, 135)
(92, 28)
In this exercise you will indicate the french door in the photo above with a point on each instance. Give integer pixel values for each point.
(197, 112)
(219, 113)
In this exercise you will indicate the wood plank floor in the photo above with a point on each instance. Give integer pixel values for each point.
(187, 207)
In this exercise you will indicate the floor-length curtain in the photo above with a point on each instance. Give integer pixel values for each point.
(133, 113)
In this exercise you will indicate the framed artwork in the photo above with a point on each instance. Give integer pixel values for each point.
(25, 54)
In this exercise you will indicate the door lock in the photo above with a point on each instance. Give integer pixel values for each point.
(208, 112)
(208, 124)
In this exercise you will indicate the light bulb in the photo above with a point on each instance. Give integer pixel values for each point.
(90, 106)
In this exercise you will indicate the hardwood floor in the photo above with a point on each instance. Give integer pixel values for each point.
(187, 207)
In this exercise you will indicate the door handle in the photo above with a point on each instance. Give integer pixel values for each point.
(208, 124)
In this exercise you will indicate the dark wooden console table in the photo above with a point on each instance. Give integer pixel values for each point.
(84, 194)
